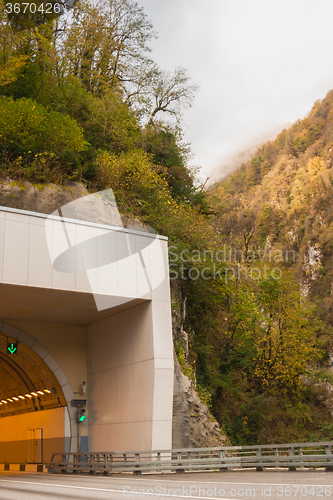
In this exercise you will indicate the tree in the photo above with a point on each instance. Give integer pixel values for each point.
(27, 59)
(172, 93)
(168, 152)
(286, 336)
(106, 44)
(11, 62)
(107, 121)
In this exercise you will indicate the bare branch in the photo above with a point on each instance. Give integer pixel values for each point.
(172, 93)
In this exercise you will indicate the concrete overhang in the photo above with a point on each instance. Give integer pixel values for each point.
(56, 306)
(33, 288)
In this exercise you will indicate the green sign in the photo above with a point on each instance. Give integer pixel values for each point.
(11, 347)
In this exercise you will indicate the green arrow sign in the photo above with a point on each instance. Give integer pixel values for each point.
(11, 347)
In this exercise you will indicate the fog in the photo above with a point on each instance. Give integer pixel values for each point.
(260, 65)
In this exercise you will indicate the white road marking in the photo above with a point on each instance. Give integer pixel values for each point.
(108, 490)
(60, 486)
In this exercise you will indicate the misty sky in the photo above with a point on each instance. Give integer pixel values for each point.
(260, 65)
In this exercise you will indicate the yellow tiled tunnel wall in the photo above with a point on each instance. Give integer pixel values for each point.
(20, 436)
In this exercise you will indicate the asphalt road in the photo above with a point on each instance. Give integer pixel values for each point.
(307, 485)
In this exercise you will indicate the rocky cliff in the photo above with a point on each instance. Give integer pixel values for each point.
(41, 198)
(193, 424)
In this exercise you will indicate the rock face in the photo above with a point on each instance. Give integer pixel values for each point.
(192, 424)
(38, 198)
(327, 396)
(46, 198)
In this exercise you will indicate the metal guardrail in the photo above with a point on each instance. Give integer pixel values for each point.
(292, 456)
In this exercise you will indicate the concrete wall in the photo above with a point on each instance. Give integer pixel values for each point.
(24, 255)
(20, 436)
(130, 389)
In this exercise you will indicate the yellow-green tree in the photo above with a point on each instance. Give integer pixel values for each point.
(286, 336)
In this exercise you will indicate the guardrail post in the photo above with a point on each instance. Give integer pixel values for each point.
(259, 468)
(179, 457)
(328, 450)
(63, 471)
(276, 453)
(222, 455)
(300, 452)
(292, 468)
(137, 459)
(92, 470)
(106, 471)
(158, 458)
(90, 460)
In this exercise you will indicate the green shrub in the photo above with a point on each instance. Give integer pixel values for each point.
(28, 128)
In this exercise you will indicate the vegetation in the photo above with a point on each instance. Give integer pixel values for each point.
(81, 99)
(276, 211)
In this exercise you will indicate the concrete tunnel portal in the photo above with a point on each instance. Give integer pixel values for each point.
(109, 326)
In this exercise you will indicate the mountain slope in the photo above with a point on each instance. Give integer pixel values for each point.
(265, 351)
(282, 199)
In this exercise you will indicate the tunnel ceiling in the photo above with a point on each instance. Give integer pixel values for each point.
(23, 373)
(30, 303)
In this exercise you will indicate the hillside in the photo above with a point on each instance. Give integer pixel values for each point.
(276, 211)
(282, 200)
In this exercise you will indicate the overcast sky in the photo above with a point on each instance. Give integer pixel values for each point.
(260, 65)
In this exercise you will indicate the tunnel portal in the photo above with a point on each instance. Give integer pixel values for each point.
(32, 405)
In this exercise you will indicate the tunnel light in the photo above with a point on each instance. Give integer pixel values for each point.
(15, 399)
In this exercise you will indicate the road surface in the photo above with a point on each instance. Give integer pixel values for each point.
(273, 485)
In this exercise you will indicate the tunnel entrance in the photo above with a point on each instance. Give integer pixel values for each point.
(33, 416)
